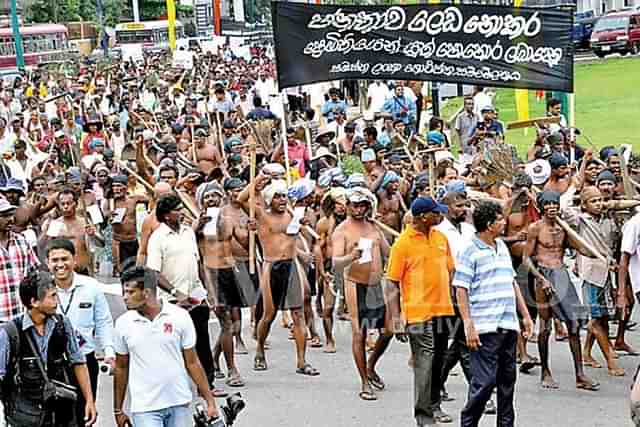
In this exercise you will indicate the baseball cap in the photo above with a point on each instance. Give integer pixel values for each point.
(423, 205)
(59, 134)
(488, 109)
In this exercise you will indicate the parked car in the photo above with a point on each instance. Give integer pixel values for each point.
(582, 29)
(617, 32)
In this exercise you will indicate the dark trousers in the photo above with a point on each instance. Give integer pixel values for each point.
(440, 343)
(457, 352)
(421, 342)
(94, 370)
(493, 365)
(200, 317)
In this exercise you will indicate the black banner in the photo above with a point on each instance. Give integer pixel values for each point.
(472, 44)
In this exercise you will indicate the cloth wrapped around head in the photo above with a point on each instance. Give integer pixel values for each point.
(547, 197)
(362, 194)
(337, 194)
(301, 189)
(274, 170)
(589, 193)
(389, 178)
(206, 188)
(278, 186)
(356, 180)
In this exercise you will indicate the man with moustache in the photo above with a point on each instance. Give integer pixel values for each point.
(359, 249)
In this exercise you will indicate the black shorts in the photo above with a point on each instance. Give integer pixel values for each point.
(128, 249)
(285, 285)
(371, 308)
(227, 287)
(311, 278)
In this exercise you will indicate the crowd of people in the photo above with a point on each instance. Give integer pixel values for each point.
(207, 193)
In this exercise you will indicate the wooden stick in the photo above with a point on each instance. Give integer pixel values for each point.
(385, 228)
(575, 236)
(193, 146)
(252, 210)
(432, 182)
(124, 166)
(307, 136)
(629, 191)
(520, 124)
(219, 133)
(308, 229)
(188, 205)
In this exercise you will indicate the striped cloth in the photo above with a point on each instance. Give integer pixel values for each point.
(487, 274)
(15, 261)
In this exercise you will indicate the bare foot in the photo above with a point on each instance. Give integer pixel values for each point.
(548, 383)
(330, 347)
(616, 372)
(591, 362)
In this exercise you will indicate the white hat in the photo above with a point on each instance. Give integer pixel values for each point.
(539, 171)
(323, 152)
(59, 134)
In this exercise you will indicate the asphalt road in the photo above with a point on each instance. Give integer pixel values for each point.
(279, 397)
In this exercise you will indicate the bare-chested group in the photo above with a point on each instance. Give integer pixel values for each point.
(282, 225)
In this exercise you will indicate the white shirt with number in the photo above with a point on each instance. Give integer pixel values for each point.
(158, 378)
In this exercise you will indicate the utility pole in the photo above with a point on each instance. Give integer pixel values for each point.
(17, 38)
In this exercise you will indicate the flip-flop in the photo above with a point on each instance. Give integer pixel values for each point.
(316, 342)
(527, 366)
(235, 382)
(592, 386)
(618, 372)
(259, 364)
(219, 393)
(631, 326)
(443, 418)
(376, 382)
(592, 363)
(367, 395)
(550, 386)
(218, 374)
(308, 370)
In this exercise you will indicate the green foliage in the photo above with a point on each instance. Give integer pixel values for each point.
(351, 165)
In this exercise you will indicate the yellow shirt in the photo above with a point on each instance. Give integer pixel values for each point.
(423, 266)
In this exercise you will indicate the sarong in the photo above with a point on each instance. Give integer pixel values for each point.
(564, 301)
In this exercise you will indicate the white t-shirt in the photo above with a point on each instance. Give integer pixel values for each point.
(481, 100)
(158, 378)
(631, 245)
(458, 240)
(378, 92)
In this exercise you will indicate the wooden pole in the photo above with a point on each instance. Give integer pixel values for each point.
(432, 181)
(193, 146)
(285, 146)
(384, 227)
(252, 210)
(571, 232)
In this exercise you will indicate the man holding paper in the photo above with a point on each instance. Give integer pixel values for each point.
(358, 250)
(220, 274)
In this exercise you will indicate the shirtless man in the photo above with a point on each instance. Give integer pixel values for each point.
(74, 227)
(334, 206)
(363, 289)
(560, 179)
(555, 294)
(150, 223)
(520, 212)
(391, 208)
(238, 219)
(281, 275)
(28, 211)
(208, 156)
(223, 288)
(122, 213)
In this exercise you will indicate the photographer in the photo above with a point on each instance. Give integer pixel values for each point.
(155, 358)
(488, 128)
(333, 106)
(402, 108)
(37, 352)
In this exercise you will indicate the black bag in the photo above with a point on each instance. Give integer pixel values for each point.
(54, 391)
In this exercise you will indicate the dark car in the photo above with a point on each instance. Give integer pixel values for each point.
(617, 32)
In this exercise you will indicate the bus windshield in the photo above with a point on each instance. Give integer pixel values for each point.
(140, 36)
(612, 23)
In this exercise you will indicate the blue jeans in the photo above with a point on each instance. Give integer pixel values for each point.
(174, 416)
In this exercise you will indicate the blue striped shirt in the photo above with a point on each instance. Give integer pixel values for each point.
(487, 274)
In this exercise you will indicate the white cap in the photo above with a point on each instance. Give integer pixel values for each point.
(539, 171)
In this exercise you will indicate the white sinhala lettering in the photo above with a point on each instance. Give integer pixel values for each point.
(363, 22)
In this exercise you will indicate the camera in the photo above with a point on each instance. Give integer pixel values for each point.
(229, 413)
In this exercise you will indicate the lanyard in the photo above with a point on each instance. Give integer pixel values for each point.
(66, 310)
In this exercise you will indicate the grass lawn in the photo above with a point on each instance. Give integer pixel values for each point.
(607, 105)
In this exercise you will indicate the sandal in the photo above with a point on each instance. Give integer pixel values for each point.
(218, 374)
(376, 382)
(308, 370)
(590, 386)
(316, 342)
(235, 381)
(259, 363)
(219, 393)
(367, 395)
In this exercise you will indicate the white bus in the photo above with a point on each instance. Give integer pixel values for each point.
(149, 34)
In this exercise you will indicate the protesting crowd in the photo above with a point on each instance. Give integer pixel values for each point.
(209, 194)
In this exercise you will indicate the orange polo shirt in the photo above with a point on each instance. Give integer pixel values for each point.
(422, 265)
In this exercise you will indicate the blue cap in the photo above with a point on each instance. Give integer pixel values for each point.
(423, 205)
